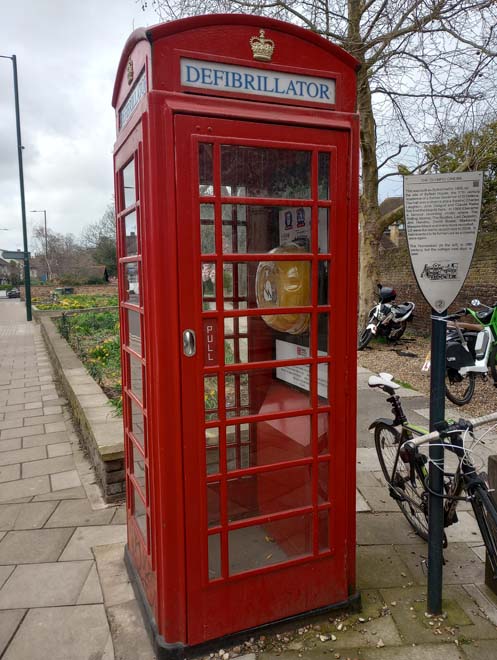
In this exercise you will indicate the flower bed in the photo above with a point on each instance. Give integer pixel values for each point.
(94, 337)
(77, 301)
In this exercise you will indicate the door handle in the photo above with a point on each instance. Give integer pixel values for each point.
(189, 343)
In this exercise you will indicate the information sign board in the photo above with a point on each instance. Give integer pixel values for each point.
(442, 214)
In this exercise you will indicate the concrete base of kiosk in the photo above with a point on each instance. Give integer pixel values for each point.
(165, 651)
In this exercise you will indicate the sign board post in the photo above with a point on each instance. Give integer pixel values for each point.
(442, 214)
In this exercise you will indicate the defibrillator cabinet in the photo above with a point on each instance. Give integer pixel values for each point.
(236, 186)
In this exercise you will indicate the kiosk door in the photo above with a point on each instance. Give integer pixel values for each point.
(262, 213)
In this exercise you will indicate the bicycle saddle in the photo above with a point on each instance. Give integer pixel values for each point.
(383, 380)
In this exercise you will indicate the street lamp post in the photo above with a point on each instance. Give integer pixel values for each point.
(27, 275)
(46, 240)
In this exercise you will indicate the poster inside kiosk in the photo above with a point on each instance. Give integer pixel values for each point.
(442, 214)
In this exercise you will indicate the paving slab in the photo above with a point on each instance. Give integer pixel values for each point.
(91, 591)
(463, 620)
(22, 455)
(113, 574)
(462, 566)
(25, 516)
(86, 538)
(128, 632)
(45, 585)
(13, 490)
(384, 528)
(47, 466)
(10, 473)
(34, 546)
(64, 480)
(21, 432)
(76, 493)
(78, 513)
(378, 498)
(380, 566)
(52, 631)
(59, 449)
(9, 622)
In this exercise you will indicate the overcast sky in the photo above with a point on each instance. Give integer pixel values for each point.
(67, 55)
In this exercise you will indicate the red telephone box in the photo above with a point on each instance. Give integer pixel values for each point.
(236, 179)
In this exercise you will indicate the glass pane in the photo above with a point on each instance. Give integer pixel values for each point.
(210, 397)
(208, 286)
(134, 331)
(137, 423)
(324, 530)
(324, 176)
(323, 230)
(129, 184)
(214, 551)
(238, 446)
(323, 335)
(131, 235)
(206, 179)
(277, 491)
(323, 482)
(213, 504)
(265, 443)
(132, 283)
(138, 467)
(135, 369)
(264, 391)
(262, 172)
(323, 379)
(140, 513)
(323, 271)
(207, 237)
(255, 229)
(212, 450)
(323, 436)
(272, 543)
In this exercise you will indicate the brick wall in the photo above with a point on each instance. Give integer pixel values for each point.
(481, 282)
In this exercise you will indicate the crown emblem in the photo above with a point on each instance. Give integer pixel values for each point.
(129, 71)
(262, 48)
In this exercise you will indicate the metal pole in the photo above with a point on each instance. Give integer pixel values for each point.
(435, 501)
(27, 278)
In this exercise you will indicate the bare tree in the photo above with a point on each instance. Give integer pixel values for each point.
(100, 239)
(423, 64)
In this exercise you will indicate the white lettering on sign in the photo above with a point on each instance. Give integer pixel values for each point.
(442, 214)
(139, 91)
(231, 78)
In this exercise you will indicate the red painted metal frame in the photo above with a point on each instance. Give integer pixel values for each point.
(175, 587)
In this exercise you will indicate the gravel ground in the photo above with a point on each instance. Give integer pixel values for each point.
(405, 359)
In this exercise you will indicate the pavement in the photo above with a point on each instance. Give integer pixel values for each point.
(64, 592)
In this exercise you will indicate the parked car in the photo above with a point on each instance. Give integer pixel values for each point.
(13, 293)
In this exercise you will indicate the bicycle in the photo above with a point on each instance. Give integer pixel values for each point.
(405, 468)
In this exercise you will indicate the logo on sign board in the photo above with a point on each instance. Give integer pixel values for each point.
(129, 71)
(262, 48)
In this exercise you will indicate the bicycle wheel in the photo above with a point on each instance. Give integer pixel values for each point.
(486, 516)
(408, 492)
(459, 389)
(492, 359)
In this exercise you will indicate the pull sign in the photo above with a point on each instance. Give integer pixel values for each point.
(210, 342)
(189, 347)
(442, 214)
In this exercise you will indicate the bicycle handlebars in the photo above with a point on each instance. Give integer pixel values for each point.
(462, 425)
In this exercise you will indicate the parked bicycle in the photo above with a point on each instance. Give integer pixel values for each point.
(471, 351)
(405, 467)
